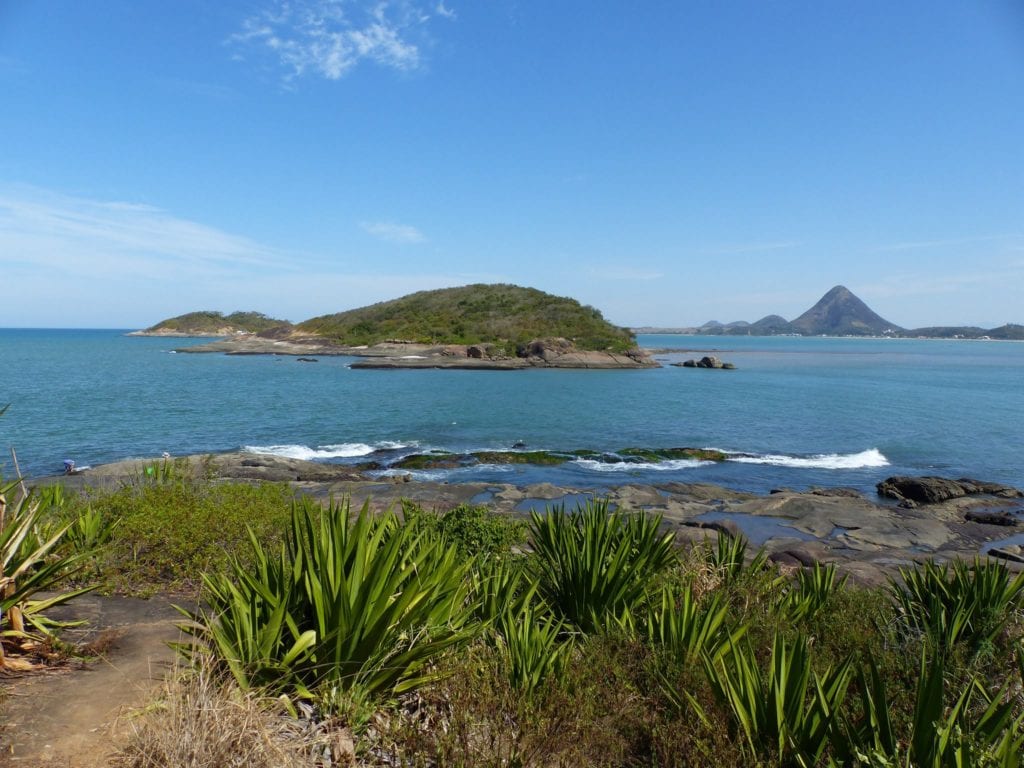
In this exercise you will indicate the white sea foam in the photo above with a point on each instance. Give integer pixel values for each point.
(338, 451)
(869, 458)
(633, 466)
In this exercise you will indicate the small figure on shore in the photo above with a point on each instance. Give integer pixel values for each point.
(69, 467)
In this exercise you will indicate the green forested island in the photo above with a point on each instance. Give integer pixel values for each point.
(208, 323)
(505, 315)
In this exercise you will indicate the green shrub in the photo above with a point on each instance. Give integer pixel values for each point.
(958, 603)
(595, 568)
(473, 530)
(171, 531)
(340, 609)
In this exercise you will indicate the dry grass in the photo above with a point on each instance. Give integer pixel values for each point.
(203, 721)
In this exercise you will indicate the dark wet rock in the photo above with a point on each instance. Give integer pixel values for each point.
(307, 360)
(1002, 517)
(933, 490)
(708, 361)
(924, 490)
(795, 556)
(842, 493)
(1012, 554)
(992, 489)
(727, 527)
(785, 559)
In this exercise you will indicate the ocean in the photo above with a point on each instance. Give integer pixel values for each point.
(797, 412)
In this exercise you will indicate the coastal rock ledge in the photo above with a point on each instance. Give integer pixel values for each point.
(911, 491)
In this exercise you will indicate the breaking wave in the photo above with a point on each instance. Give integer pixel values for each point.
(869, 458)
(338, 451)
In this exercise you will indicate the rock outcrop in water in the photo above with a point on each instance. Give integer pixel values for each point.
(911, 491)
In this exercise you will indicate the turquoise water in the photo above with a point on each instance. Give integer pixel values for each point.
(797, 412)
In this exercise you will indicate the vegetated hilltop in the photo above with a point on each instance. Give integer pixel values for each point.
(214, 324)
(507, 316)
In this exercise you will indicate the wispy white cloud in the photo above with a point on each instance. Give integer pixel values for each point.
(391, 232)
(78, 235)
(330, 37)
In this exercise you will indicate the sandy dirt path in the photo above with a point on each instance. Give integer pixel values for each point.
(75, 716)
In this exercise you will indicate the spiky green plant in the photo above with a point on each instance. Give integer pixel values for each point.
(501, 588)
(810, 592)
(534, 648)
(689, 630)
(729, 557)
(957, 735)
(364, 606)
(958, 603)
(594, 567)
(30, 564)
(788, 713)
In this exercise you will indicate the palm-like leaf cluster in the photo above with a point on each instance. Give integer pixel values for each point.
(595, 567)
(365, 606)
(959, 603)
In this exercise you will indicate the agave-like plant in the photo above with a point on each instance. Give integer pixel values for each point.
(961, 735)
(690, 630)
(780, 713)
(958, 603)
(729, 557)
(363, 607)
(30, 564)
(534, 648)
(811, 591)
(593, 566)
(501, 589)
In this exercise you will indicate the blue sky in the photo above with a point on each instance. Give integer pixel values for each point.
(667, 162)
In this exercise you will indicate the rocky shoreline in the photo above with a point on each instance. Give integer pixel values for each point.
(867, 537)
(548, 353)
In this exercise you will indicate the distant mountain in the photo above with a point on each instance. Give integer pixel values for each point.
(840, 313)
(837, 313)
(771, 325)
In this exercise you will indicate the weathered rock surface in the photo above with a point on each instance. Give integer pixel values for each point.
(708, 361)
(932, 490)
(540, 353)
(1002, 518)
(867, 539)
